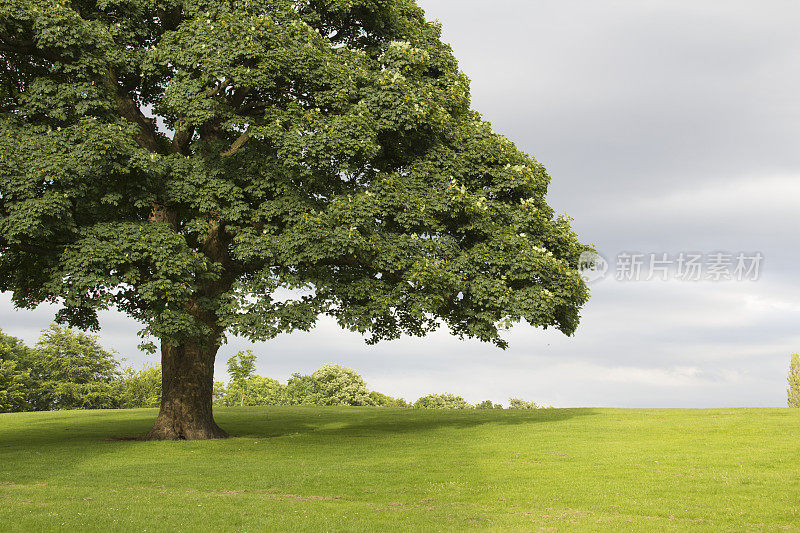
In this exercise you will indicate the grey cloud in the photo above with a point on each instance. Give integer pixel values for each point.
(611, 96)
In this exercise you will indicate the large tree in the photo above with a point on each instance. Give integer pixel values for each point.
(184, 161)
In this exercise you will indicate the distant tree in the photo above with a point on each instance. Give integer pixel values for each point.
(13, 349)
(442, 401)
(13, 396)
(794, 381)
(184, 160)
(74, 371)
(241, 367)
(487, 404)
(219, 389)
(302, 389)
(66, 370)
(516, 403)
(337, 385)
(17, 389)
(255, 390)
(328, 385)
(382, 400)
(140, 388)
(261, 390)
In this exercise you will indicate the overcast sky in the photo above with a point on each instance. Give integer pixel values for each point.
(667, 127)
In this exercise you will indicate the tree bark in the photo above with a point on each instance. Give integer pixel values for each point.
(186, 397)
(187, 370)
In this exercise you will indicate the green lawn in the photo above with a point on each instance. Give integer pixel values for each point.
(357, 469)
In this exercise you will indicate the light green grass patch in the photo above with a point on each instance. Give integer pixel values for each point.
(366, 469)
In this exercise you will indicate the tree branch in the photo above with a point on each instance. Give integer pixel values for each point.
(130, 111)
(181, 140)
(238, 143)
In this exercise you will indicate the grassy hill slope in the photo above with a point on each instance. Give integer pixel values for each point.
(360, 469)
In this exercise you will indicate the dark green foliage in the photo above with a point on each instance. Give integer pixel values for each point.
(320, 145)
(442, 401)
(487, 404)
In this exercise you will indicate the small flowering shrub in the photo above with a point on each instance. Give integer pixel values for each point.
(516, 403)
(442, 401)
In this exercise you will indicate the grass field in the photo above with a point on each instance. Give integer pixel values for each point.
(367, 469)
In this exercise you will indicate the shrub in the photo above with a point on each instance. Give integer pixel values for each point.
(516, 403)
(382, 400)
(218, 392)
(337, 385)
(329, 385)
(441, 401)
(487, 404)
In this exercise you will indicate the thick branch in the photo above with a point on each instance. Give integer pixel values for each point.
(130, 111)
(181, 140)
(238, 143)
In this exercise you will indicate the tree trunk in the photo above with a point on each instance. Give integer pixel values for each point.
(186, 396)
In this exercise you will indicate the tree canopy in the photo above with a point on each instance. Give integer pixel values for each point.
(66, 370)
(188, 161)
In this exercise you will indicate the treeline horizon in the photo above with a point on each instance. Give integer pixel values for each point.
(69, 369)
